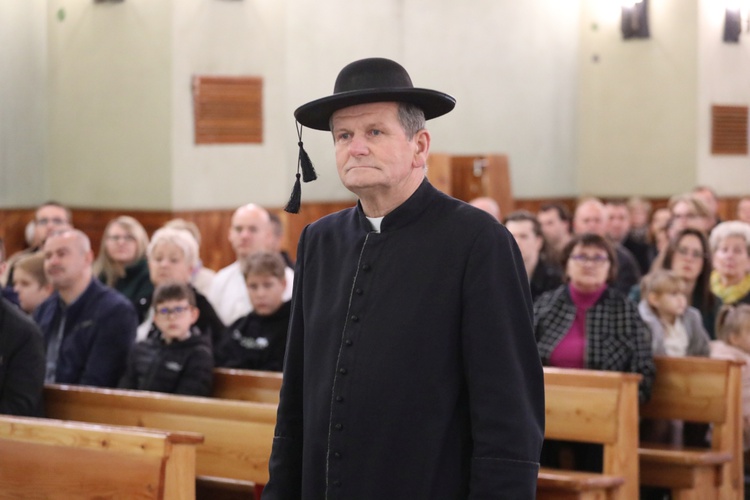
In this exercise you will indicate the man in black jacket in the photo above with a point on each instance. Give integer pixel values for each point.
(21, 363)
(411, 368)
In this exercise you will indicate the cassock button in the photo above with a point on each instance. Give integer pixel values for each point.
(359, 291)
(337, 454)
(339, 399)
(337, 483)
(348, 342)
(355, 318)
(342, 371)
(338, 427)
(366, 267)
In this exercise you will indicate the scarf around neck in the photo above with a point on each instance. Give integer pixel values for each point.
(729, 294)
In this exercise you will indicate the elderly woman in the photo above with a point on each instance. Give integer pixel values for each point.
(121, 263)
(172, 255)
(730, 245)
(585, 323)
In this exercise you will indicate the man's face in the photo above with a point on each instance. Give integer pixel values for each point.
(66, 262)
(250, 231)
(49, 218)
(529, 243)
(554, 228)
(618, 222)
(589, 218)
(373, 153)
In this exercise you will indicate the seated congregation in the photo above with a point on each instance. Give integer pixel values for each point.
(614, 286)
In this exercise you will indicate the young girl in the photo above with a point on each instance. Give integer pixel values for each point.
(733, 332)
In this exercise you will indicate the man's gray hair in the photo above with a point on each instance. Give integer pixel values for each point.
(411, 118)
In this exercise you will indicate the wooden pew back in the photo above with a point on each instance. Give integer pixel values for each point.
(247, 385)
(238, 434)
(41, 458)
(597, 407)
(704, 390)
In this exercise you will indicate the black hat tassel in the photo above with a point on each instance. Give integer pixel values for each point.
(292, 206)
(308, 174)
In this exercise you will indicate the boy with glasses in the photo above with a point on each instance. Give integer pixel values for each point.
(179, 359)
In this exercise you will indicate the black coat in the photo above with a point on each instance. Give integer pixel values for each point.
(180, 367)
(255, 342)
(21, 363)
(99, 330)
(411, 368)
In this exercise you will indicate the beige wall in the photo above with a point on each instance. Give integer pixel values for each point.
(99, 108)
(110, 103)
(637, 101)
(23, 102)
(724, 78)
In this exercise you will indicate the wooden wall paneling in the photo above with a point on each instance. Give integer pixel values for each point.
(12, 228)
(468, 177)
(216, 252)
(294, 224)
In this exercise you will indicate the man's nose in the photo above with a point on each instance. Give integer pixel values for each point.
(358, 146)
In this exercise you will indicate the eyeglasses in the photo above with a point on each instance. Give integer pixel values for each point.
(116, 238)
(686, 252)
(54, 221)
(177, 311)
(597, 260)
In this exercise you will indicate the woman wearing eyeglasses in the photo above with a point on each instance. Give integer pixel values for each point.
(121, 263)
(588, 324)
(689, 256)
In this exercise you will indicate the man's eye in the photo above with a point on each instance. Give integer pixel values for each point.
(375, 132)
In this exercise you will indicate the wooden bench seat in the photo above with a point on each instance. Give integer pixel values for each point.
(247, 385)
(696, 390)
(42, 458)
(579, 485)
(238, 434)
(592, 407)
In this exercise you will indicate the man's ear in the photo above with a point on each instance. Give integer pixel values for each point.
(422, 142)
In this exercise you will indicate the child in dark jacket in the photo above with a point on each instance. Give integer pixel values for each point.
(257, 341)
(179, 359)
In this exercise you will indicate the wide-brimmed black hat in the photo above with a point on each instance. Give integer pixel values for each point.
(372, 80)
(361, 82)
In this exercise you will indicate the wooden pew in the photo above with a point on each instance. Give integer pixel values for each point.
(238, 434)
(247, 385)
(592, 407)
(704, 391)
(41, 458)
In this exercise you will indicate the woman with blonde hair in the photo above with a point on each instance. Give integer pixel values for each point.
(121, 263)
(689, 211)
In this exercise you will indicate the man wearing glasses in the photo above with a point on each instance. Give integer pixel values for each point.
(51, 216)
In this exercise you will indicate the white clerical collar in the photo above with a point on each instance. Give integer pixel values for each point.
(375, 223)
